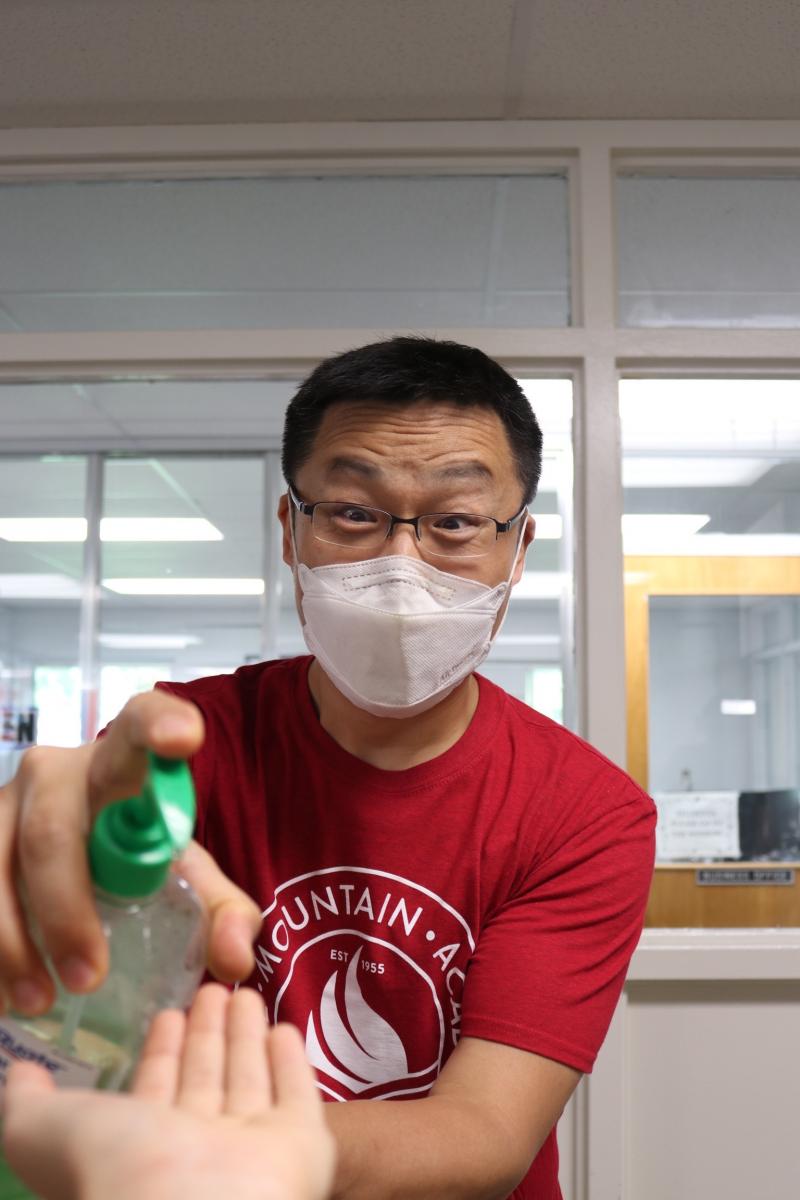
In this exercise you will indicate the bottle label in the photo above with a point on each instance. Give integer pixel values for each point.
(18, 1044)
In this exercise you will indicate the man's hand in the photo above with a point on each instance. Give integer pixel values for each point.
(46, 812)
(221, 1106)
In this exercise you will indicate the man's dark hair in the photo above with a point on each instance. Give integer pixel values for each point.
(403, 370)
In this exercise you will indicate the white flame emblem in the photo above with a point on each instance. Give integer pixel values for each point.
(372, 1053)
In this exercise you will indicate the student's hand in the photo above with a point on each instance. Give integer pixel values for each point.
(45, 815)
(221, 1106)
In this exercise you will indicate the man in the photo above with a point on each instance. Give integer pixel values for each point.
(452, 885)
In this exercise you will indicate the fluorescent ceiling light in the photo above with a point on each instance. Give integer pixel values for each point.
(548, 526)
(528, 639)
(663, 471)
(39, 587)
(551, 400)
(147, 641)
(112, 529)
(665, 524)
(649, 533)
(158, 529)
(717, 545)
(171, 586)
(750, 415)
(540, 585)
(43, 529)
(556, 472)
(738, 708)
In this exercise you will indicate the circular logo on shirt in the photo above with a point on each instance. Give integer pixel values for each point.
(371, 967)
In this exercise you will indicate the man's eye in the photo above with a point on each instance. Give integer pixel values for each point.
(354, 515)
(454, 523)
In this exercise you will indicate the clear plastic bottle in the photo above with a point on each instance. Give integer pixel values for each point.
(156, 933)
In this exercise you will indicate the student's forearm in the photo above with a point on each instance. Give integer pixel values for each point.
(433, 1149)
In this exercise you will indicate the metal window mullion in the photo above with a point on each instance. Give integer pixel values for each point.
(599, 1148)
(90, 599)
(565, 495)
(600, 635)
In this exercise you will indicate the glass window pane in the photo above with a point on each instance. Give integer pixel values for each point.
(286, 253)
(709, 252)
(182, 571)
(42, 529)
(153, 627)
(532, 655)
(223, 414)
(711, 533)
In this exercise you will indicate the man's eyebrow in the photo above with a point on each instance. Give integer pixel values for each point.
(469, 469)
(352, 466)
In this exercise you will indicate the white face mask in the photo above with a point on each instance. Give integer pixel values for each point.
(394, 634)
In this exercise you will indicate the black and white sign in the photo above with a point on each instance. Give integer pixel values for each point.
(746, 876)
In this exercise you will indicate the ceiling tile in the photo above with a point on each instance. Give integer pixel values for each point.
(111, 62)
(659, 59)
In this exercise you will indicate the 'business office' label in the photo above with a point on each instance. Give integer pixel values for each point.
(746, 876)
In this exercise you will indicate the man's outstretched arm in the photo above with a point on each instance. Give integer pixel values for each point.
(473, 1138)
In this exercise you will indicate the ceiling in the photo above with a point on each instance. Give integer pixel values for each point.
(163, 62)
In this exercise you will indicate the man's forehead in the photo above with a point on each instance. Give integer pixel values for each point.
(455, 442)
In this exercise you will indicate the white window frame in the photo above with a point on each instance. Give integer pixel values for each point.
(594, 351)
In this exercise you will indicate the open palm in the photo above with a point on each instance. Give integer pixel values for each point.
(220, 1105)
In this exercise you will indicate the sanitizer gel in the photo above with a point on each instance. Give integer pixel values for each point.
(155, 927)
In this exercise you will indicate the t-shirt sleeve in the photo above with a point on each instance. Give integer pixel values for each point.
(551, 961)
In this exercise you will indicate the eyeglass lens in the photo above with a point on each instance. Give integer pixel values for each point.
(451, 535)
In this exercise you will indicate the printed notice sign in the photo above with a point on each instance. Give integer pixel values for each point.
(694, 825)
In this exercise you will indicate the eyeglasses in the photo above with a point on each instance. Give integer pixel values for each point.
(360, 527)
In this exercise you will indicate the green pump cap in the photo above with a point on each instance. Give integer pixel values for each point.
(134, 841)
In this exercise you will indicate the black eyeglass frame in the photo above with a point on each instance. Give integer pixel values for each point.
(308, 511)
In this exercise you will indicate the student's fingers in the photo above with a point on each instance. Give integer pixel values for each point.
(248, 1091)
(33, 1126)
(159, 1066)
(25, 1079)
(293, 1081)
(202, 1071)
(234, 920)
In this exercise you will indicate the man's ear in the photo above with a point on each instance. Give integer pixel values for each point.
(527, 537)
(285, 515)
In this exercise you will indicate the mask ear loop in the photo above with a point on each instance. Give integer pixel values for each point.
(292, 513)
(522, 527)
(295, 573)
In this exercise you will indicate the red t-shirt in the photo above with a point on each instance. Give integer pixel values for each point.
(497, 891)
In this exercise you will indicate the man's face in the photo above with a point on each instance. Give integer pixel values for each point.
(421, 458)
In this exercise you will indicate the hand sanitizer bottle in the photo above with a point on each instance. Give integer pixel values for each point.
(156, 933)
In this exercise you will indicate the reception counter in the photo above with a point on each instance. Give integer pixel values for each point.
(696, 1093)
